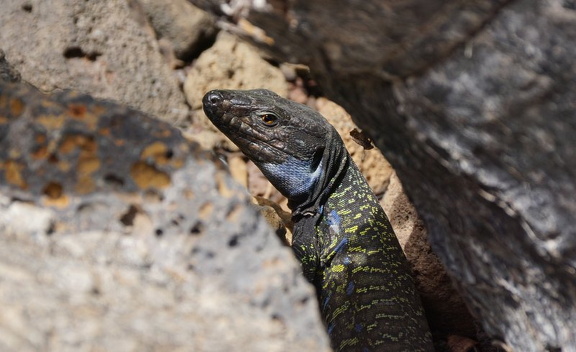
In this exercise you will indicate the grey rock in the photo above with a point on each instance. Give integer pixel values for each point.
(7, 72)
(118, 234)
(185, 26)
(96, 47)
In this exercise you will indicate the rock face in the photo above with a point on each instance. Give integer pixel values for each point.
(447, 313)
(230, 64)
(186, 27)
(472, 103)
(118, 234)
(101, 47)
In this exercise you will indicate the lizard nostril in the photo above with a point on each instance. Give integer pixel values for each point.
(213, 97)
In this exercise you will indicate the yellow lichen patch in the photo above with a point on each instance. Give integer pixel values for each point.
(77, 111)
(68, 144)
(206, 210)
(12, 170)
(16, 107)
(40, 138)
(14, 153)
(41, 149)
(62, 165)
(51, 122)
(146, 176)
(158, 151)
(61, 202)
(3, 102)
(40, 152)
(105, 131)
(84, 185)
(49, 104)
(85, 113)
(223, 187)
(184, 148)
(162, 133)
(3, 119)
(177, 163)
(71, 142)
(88, 164)
(54, 195)
(53, 190)
(98, 109)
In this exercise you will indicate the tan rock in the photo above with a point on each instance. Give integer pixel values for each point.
(231, 64)
(181, 23)
(238, 169)
(373, 165)
(96, 47)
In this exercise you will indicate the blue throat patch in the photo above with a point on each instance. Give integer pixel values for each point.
(294, 178)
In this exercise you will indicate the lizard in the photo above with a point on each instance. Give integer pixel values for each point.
(342, 237)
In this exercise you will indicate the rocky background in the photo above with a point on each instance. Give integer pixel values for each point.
(140, 282)
(472, 102)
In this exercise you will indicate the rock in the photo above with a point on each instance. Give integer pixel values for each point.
(97, 47)
(185, 26)
(119, 234)
(371, 163)
(445, 309)
(231, 64)
(7, 72)
(473, 104)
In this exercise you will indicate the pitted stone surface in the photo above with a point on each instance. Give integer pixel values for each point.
(117, 233)
(104, 48)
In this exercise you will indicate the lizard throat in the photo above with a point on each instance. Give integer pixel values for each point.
(294, 178)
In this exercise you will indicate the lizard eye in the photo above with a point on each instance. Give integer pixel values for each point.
(269, 119)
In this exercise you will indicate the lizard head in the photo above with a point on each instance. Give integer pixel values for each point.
(288, 141)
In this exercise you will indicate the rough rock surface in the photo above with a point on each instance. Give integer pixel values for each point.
(118, 234)
(446, 312)
(231, 64)
(96, 47)
(7, 72)
(472, 103)
(370, 161)
(186, 27)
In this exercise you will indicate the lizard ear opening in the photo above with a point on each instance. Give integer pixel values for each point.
(317, 159)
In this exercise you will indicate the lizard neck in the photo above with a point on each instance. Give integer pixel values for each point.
(334, 165)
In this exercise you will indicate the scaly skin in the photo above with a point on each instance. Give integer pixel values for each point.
(342, 236)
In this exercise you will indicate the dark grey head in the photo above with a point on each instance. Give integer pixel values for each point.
(266, 127)
(292, 144)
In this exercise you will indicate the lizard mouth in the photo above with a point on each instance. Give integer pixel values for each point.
(219, 103)
(214, 106)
